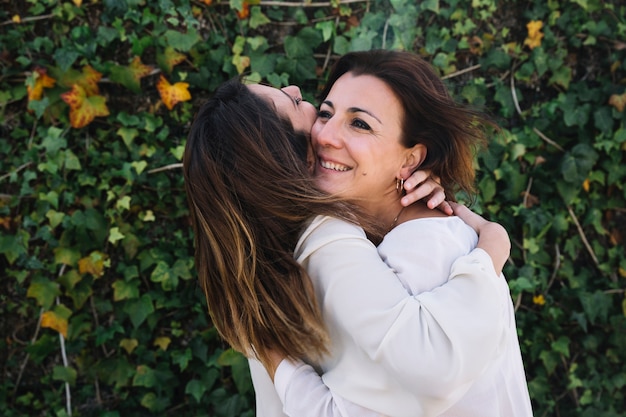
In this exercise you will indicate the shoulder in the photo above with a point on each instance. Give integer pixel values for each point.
(324, 230)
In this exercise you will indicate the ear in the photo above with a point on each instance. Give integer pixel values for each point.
(414, 158)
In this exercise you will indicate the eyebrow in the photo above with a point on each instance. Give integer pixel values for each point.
(293, 100)
(353, 110)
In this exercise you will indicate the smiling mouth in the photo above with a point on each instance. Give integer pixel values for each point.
(333, 166)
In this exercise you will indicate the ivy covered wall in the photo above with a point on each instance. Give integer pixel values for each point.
(100, 313)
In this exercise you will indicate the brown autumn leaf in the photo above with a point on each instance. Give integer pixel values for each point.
(173, 94)
(52, 320)
(92, 264)
(88, 79)
(245, 11)
(84, 108)
(618, 101)
(42, 80)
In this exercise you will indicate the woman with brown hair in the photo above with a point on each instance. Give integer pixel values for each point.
(251, 197)
(385, 114)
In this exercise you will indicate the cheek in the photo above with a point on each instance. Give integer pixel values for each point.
(315, 130)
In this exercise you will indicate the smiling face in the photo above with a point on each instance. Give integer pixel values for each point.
(288, 103)
(356, 141)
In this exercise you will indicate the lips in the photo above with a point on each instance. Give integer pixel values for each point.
(334, 166)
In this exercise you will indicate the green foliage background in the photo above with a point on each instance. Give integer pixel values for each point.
(110, 195)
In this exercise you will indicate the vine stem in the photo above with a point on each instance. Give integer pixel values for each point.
(23, 366)
(27, 19)
(68, 392)
(461, 72)
(581, 232)
(21, 167)
(166, 168)
(519, 111)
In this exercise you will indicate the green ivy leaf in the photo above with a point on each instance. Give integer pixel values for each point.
(128, 134)
(115, 235)
(577, 163)
(561, 345)
(432, 5)
(64, 373)
(123, 290)
(44, 291)
(257, 18)
(138, 310)
(163, 274)
(80, 293)
(182, 359)
(562, 76)
(145, 377)
(240, 370)
(196, 388)
(596, 305)
(154, 403)
(66, 256)
(53, 141)
(71, 161)
(182, 41)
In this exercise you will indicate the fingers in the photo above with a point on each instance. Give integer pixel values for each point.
(422, 186)
(428, 188)
(475, 221)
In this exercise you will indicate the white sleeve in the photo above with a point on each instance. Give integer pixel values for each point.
(304, 394)
(267, 402)
(453, 331)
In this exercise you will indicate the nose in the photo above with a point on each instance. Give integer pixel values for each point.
(293, 91)
(327, 132)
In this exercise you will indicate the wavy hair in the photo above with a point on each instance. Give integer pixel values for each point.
(450, 131)
(250, 195)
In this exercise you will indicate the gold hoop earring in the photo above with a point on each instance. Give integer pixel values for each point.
(399, 185)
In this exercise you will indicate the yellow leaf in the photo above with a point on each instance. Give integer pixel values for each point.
(148, 216)
(84, 108)
(129, 345)
(16, 18)
(77, 3)
(93, 264)
(539, 299)
(241, 62)
(52, 320)
(618, 101)
(534, 34)
(586, 185)
(172, 94)
(622, 272)
(42, 80)
(162, 342)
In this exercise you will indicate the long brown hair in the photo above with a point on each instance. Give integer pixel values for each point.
(250, 194)
(450, 131)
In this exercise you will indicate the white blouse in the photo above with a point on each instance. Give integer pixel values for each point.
(457, 332)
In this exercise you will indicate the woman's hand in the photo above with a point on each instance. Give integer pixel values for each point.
(422, 186)
(492, 237)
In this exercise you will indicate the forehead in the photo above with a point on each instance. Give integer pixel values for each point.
(366, 92)
(277, 98)
(362, 85)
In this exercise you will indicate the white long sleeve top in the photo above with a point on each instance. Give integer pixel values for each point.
(455, 332)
